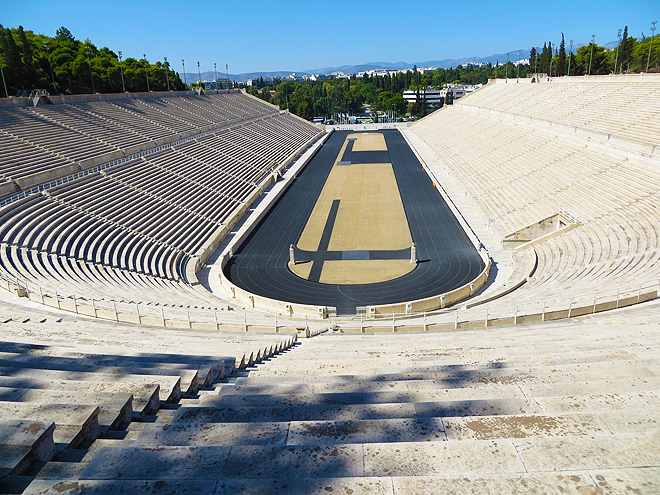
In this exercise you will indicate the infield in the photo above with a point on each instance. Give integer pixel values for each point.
(368, 216)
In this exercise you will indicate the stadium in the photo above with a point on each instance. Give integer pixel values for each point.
(203, 293)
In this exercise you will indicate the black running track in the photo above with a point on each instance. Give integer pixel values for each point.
(448, 258)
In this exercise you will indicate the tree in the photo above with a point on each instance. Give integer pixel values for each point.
(626, 50)
(533, 55)
(546, 57)
(561, 63)
(63, 34)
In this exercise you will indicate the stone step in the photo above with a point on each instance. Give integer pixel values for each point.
(59, 357)
(75, 424)
(526, 455)
(440, 350)
(460, 374)
(115, 409)
(636, 480)
(328, 398)
(145, 396)
(271, 413)
(15, 483)
(399, 430)
(59, 470)
(481, 389)
(189, 378)
(571, 388)
(470, 391)
(599, 402)
(24, 442)
(73, 485)
(170, 386)
(242, 462)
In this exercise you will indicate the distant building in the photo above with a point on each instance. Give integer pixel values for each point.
(436, 96)
(433, 96)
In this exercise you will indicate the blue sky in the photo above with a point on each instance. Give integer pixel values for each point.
(299, 35)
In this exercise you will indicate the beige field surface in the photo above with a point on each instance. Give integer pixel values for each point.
(370, 217)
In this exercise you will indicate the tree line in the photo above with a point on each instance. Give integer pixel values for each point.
(63, 64)
(629, 56)
(310, 99)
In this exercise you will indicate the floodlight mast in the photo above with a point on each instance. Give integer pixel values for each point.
(648, 59)
(616, 58)
(52, 77)
(185, 79)
(593, 38)
(146, 73)
(4, 83)
(167, 78)
(121, 70)
(91, 73)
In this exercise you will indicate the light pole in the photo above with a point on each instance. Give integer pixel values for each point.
(121, 71)
(518, 76)
(215, 70)
(550, 59)
(616, 58)
(3, 80)
(90, 70)
(593, 38)
(200, 76)
(146, 73)
(167, 76)
(536, 59)
(570, 54)
(185, 79)
(507, 65)
(47, 46)
(227, 69)
(648, 59)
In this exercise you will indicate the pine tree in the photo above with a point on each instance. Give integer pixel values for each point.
(561, 61)
(14, 63)
(532, 58)
(28, 73)
(625, 50)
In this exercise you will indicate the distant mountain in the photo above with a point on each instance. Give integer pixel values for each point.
(446, 63)
(354, 69)
(210, 75)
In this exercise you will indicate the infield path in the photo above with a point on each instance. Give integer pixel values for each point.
(447, 257)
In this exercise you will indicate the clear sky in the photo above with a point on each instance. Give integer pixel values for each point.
(300, 35)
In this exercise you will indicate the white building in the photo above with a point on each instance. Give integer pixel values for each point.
(436, 96)
(433, 96)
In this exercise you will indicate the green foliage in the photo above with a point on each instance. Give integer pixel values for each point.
(27, 59)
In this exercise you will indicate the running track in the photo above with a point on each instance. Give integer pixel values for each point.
(449, 259)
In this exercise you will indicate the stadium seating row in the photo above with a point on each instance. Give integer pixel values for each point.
(583, 103)
(41, 139)
(146, 216)
(524, 410)
(66, 383)
(518, 174)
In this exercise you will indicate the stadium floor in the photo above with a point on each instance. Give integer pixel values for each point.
(447, 257)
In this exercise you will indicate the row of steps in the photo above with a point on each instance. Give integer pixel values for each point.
(68, 391)
(481, 411)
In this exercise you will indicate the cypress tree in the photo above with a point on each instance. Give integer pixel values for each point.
(561, 62)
